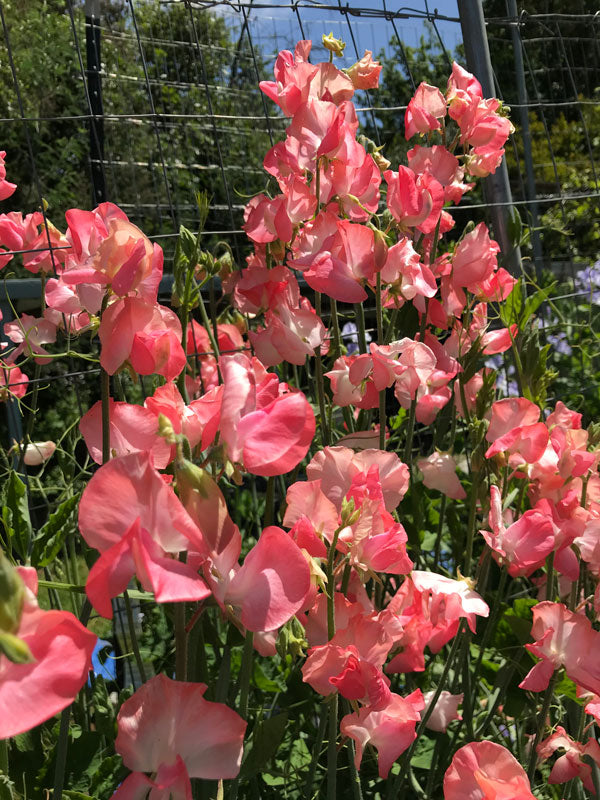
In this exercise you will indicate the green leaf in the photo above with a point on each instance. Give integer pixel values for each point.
(51, 536)
(265, 742)
(72, 795)
(514, 226)
(103, 709)
(15, 515)
(423, 753)
(510, 309)
(534, 301)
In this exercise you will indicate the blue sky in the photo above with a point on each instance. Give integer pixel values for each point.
(275, 28)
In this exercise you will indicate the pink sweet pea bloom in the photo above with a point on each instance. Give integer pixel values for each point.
(133, 429)
(564, 638)
(264, 427)
(274, 581)
(365, 73)
(486, 771)
(475, 259)
(570, 764)
(145, 334)
(7, 188)
(415, 201)
(352, 188)
(444, 711)
(425, 110)
(108, 249)
(439, 472)
(389, 727)
(524, 545)
(336, 468)
(444, 166)
(38, 452)
(29, 334)
(62, 649)
(351, 382)
(135, 520)
(13, 382)
(17, 233)
(305, 499)
(167, 723)
(511, 413)
(267, 220)
(170, 783)
(290, 334)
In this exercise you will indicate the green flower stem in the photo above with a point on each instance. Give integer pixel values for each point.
(541, 725)
(379, 314)
(472, 521)
(350, 750)
(133, 637)
(359, 314)
(320, 382)
(332, 749)
(395, 787)
(550, 577)
(335, 327)
(63, 734)
(180, 643)
(244, 684)
(312, 771)
(269, 502)
(413, 406)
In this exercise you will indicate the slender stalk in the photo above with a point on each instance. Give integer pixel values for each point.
(61, 754)
(320, 382)
(332, 749)
(244, 683)
(6, 792)
(180, 643)
(354, 775)
(335, 327)
(472, 521)
(312, 771)
(413, 406)
(269, 501)
(359, 313)
(245, 673)
(133, 637)
(550, 577)
(541, 725)
(395, 787)
(379, 314)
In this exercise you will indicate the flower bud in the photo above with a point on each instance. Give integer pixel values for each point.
(15, 649)
(335, 46)
(166, 430)
(192, 478)
(12, 596)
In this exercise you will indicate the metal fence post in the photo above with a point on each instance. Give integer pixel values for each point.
(94, 85)
(496, 187)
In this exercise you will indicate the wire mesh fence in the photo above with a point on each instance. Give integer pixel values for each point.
(146, 103)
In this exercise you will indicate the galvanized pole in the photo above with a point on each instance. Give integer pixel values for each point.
(94, 85)
(530, 190)
(496, 187)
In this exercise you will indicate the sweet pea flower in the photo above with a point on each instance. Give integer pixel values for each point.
(6, 188)
(136, 521)
(524, 545)
(132, 429)
(439, 472)
(486, 771)
(13, 382)
(415, 201)
(61, 658)
(389, 727)
(365, 73)
(263, 426)
(108, 249)
(444, 711)
(29, 334)
(563, 638)
(475, 258)
(425, 110)
(147, 335)
(169, 729)
(38, 452)
(570, 764)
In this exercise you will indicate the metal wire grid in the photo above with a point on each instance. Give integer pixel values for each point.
(166, 102)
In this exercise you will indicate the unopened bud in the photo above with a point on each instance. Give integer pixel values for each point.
(15, 649)
(382, 162)
(191, 478)
(166, 430)
(335, 46)
(12, 596)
